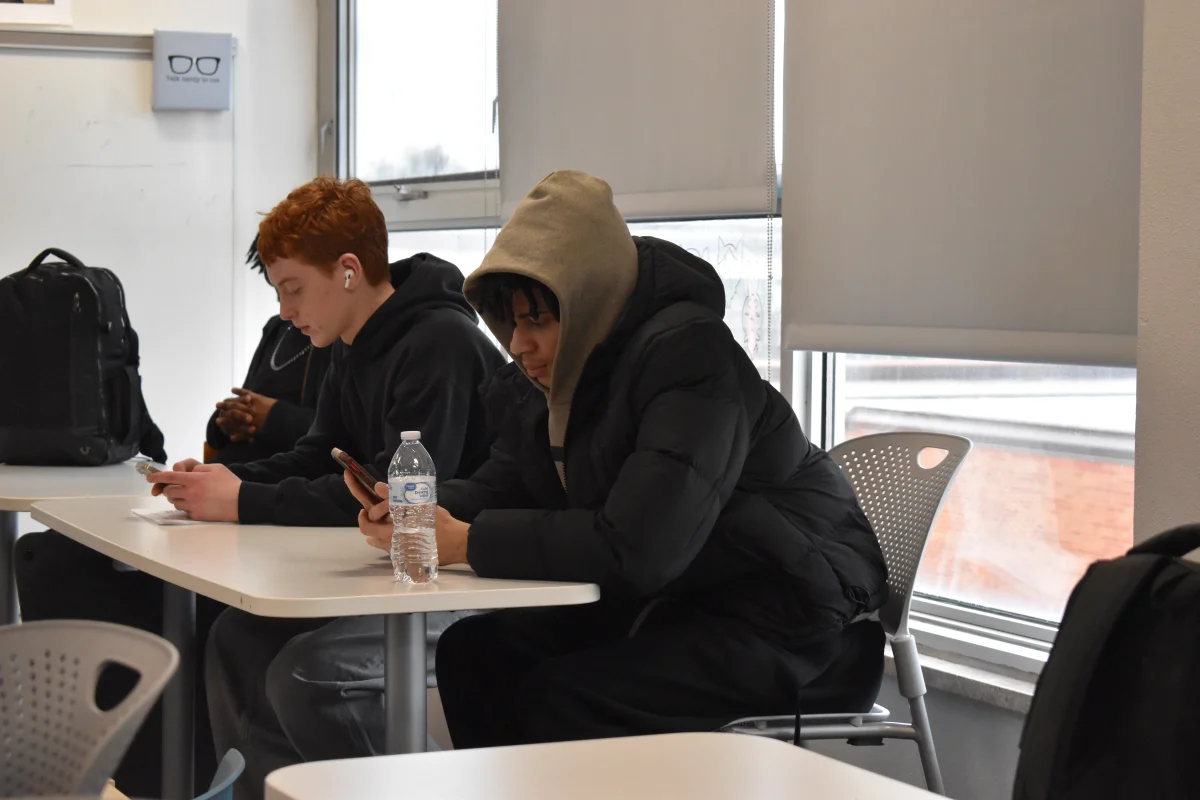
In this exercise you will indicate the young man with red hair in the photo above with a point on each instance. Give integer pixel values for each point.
(407, 354)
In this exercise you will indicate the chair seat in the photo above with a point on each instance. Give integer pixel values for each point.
(877, 713)
(844, 693)
(782, 727)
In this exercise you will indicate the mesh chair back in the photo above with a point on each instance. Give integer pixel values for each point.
(53, 738)
(902, 499)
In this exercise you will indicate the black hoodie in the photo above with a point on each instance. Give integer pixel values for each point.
(416, 364)
(687, 476)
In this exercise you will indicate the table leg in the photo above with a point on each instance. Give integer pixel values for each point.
(179, 725)
(404, 683)
(8, 579)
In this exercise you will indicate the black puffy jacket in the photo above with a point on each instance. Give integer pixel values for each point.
(687, 476)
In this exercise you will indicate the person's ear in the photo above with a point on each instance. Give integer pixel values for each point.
(349, 265)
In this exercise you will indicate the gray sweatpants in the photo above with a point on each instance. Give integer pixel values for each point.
(283, 691)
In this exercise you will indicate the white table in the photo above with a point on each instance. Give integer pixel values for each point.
(21, 487)
(681, 766)
(285, 572)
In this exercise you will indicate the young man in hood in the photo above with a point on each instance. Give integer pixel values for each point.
(639, 450)
(407, 354)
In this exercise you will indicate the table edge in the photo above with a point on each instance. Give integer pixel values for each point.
(289, 775)
(26, 504)
(580, 594)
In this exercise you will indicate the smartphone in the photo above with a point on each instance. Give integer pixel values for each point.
(364, 478)
(147, 469)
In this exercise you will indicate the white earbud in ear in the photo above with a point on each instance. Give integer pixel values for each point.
(349, 277)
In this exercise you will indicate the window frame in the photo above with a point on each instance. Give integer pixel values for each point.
(335, 87)
(466, 200)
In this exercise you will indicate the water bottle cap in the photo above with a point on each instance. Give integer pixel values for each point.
(410, 436)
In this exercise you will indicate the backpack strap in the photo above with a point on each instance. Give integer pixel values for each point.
(142, 428)
(1177, 542)
(1095, 608)
(151, 442)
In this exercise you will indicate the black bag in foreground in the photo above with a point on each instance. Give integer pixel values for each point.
(1115, 712)
(69, 369)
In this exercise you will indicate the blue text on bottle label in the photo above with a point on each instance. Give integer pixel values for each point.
(413, 490)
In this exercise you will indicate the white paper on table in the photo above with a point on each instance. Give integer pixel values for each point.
(170, 516)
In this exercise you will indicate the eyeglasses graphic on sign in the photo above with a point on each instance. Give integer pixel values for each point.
(205, 65)
(192, 71)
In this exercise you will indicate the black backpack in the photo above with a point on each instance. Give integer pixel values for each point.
(69, 367)
(1117, 708)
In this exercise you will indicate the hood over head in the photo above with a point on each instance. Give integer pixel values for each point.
(568, 235)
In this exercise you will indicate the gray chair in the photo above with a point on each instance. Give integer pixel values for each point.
(902, 499)
(53, 738)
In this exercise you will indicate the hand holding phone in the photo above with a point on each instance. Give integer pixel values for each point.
(361, 475)
(149, 470)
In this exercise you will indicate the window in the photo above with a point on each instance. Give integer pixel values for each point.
(424, 117)
(1047, 488)
(425, 89)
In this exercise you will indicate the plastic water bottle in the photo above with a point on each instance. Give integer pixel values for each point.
(412, 490)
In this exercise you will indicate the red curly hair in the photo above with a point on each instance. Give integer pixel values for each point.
(323, 220)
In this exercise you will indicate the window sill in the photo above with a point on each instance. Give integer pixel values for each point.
(990, 640)
(991, 684)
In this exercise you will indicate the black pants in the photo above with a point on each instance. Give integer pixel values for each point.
(58, 578)
(283, 691)
(553, 674)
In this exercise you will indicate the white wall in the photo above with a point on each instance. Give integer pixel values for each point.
(168, 200)
(1168, 422)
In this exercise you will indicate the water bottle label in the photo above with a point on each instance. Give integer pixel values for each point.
(413, 490)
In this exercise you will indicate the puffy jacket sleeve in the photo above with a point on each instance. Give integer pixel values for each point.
(691, 440)
(496, 484)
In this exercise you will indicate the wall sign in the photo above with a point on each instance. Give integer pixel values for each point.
(193, 71)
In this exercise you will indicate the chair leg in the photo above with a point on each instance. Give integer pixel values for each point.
(929, 762)
(911, 682)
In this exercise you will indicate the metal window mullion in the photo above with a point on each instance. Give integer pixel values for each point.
(347, 86)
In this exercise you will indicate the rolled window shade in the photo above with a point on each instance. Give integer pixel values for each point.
(961, 179)
(666, 101)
